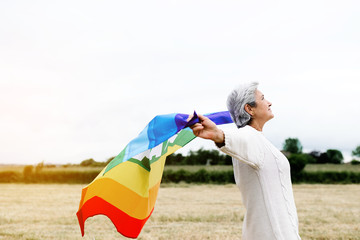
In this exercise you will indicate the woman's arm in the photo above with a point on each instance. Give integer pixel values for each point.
(243, 146)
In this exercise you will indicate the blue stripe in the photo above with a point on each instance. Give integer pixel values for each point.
(160, 129)
(137, 145)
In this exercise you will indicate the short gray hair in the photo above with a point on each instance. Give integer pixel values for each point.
(237, 99)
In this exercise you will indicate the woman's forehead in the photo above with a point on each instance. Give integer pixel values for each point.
(258, 93)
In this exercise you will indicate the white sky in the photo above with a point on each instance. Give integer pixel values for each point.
(80, 79)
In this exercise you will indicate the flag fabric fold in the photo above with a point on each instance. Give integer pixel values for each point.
(126, 189)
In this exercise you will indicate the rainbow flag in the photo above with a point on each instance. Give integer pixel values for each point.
(126, 189)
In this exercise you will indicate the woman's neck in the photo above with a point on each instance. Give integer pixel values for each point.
(258, 126)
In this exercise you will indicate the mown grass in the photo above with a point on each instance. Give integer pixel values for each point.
(195, 168)
(332, 168)
(182, 211)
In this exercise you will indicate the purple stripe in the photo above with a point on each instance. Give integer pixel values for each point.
(218, 118)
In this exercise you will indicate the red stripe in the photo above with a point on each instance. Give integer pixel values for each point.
(126, 225)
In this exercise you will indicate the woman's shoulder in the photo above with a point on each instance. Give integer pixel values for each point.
(248, 145)
(245, 134)
(248, 131)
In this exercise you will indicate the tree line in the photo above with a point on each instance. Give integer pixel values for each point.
(292, 148)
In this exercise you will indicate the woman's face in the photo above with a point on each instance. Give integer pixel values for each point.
(262, 111)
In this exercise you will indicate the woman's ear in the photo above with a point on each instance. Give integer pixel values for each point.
(249, 109)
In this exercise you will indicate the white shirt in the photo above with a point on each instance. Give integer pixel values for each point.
(262, 174)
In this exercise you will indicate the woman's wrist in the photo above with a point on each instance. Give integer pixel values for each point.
(219, 138)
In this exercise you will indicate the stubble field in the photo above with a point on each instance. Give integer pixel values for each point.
(47, 211)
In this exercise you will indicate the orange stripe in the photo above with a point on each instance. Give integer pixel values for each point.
(121, 197)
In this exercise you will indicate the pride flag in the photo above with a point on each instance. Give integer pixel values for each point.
(126, 189)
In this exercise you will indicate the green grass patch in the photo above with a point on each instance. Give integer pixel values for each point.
(195, 168)
(332, 168)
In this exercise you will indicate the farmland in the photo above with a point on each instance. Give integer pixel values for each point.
(194, 168)
(308, 168)
(182, 211)
(215, 174)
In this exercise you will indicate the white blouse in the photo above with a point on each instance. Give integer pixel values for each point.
(262, 174)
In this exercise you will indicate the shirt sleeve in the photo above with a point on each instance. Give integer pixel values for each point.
(244, 146)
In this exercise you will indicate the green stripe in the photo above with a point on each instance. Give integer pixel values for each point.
(182, 138)
(116, 161)
(144, 163)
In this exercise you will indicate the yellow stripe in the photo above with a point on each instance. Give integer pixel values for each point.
(122, 197)
(157, 167)
(132, 176)
(136, 178)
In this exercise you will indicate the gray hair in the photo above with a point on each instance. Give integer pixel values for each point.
(237, 99)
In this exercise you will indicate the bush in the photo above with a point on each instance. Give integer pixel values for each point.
(355, 162)
(221, 177)
(28, 172)
(297, 163)
(65, 176)
(175, 176)
(170, 176)
(224, 177)
(328, 177)
(201, 176)
(10, 177)
(309, 158)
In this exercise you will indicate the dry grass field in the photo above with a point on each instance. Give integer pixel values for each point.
(47, 211)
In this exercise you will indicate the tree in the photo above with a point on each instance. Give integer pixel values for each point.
(39, 167)
(316, 155)
(202, 157)
(356, 152)
(90, 162)
(292, 145)
(175, 159)
(335, 156)
(109, 160)
(323, 158)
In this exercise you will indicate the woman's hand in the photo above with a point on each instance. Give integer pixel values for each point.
(207, 129)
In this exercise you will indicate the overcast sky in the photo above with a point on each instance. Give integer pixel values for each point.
(80, 79)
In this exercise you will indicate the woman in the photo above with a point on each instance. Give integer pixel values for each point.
(261, 171)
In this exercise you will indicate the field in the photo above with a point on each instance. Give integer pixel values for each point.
(47, 211)
(308, 168)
